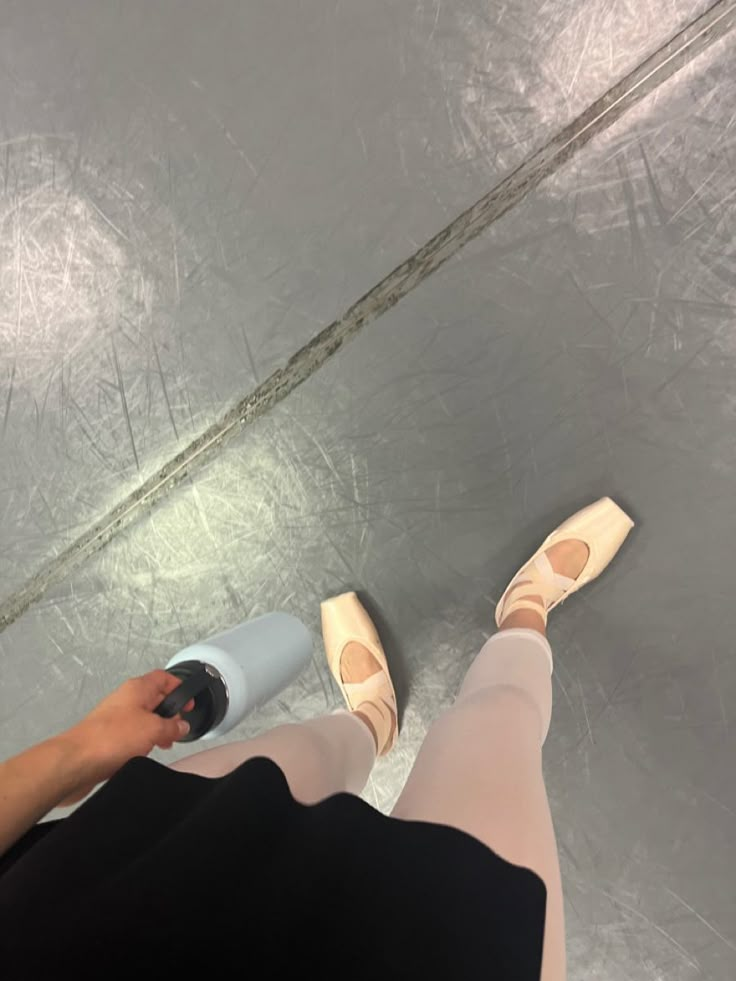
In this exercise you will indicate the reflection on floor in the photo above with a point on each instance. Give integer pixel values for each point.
(175, 228)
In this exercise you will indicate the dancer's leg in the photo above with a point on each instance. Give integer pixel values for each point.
(480, 768)
(318, 758)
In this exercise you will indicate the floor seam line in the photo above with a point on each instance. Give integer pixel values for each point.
(665, 62)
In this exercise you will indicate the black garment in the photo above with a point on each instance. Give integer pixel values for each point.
(168, 872)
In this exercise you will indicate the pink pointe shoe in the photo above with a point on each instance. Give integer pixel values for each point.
(602, 526)
(345, 621)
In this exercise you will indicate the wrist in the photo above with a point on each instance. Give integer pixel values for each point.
(77, 759)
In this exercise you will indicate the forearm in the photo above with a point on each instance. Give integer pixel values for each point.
(34, 782)
(67, 767)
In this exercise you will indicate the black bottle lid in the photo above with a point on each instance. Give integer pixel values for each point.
(204, 684)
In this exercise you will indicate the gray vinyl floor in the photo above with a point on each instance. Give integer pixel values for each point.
(191, 193)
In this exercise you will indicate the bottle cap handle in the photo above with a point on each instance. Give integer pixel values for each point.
(178, 698)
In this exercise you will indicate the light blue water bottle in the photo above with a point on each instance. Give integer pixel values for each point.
(235, 672)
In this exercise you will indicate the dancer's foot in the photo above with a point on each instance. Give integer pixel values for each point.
(573, 555)
(567, 558)
(358, 664)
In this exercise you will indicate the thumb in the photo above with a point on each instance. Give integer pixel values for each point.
(170, 731)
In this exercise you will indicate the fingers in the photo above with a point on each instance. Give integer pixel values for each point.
(172, 682)
(155, 686)
(151, 689)
(170, 731)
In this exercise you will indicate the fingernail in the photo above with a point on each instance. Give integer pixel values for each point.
(183, 729)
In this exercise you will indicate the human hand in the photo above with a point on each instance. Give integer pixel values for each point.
(122, 726)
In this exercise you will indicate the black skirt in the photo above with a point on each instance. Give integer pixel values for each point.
(168, 872)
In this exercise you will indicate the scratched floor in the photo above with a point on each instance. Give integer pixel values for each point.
(188, 196)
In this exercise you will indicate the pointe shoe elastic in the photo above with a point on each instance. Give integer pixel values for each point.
(345, 621)
(602, 526)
